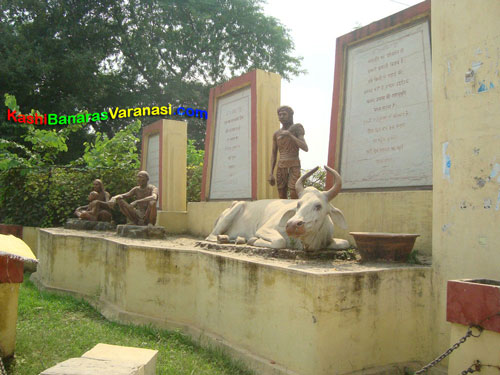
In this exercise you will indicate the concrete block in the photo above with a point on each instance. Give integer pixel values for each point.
(90, 366)
(143, 357)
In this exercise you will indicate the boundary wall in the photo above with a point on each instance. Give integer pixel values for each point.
(279, 317)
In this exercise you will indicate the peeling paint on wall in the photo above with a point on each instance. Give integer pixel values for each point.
(480, 182)
(469, 76)
(495, 171)
(482, 87)
(476, 65)
(445, 227)
(487, 203)
(498, 201)
(446, 162)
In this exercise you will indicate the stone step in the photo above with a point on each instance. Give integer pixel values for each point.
(89, 366)
(145, 357)
(105, 359)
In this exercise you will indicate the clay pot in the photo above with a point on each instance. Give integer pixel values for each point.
(385, 246)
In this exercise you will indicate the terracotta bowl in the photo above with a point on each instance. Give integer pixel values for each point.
(386, 246)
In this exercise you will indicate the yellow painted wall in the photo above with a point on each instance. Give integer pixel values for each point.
(484, 348)
(9, 293)
(174, 222)
(268, 101)
(466, 214)
(392, 211)
(173, 174)
(202, 216)
(307, 320)
(30, 236)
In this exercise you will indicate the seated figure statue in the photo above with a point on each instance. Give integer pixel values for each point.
(142, 211)
(97, 209)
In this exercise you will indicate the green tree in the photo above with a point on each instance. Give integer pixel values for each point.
(66, 56)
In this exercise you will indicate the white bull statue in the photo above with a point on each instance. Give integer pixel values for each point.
(272, 222)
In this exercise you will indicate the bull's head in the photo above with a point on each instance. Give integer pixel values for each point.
(313, 207)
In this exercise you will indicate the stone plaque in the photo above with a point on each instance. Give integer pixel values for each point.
(387, 127)
(153, 159)
(231, 166)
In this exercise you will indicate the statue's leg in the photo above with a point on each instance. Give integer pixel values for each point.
(104, 216)
(294, 174)
(150, 216)
(339, 244)
(281, 182)
(87, 215)
(225, 220)
(270, 238)
(128, 211)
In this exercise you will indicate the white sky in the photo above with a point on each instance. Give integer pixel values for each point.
(314, 26)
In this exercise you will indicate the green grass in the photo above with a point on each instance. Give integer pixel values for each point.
(52, 328)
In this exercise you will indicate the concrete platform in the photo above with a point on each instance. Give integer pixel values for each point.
(279, 316)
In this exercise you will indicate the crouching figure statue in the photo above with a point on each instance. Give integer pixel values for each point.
(272, 222)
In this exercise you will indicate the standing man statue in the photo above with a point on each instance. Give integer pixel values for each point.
(287, 140)
(142, 211)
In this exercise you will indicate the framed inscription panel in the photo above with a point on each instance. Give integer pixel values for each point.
(382, 118)
(232, 163)
(241, 121)
(153, 159)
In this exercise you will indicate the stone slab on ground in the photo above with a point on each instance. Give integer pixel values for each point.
(89, 225)
(90, 366)
(143, 357)
(141, 231)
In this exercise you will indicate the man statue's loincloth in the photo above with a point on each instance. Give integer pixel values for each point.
(287, 174)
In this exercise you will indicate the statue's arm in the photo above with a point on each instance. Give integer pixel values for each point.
(298, 137)
(131, 193)
(274, 156)
(152, 197)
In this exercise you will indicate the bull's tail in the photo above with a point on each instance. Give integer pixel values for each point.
(225, 220)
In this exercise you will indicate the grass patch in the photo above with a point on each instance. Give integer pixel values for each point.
(52, 328)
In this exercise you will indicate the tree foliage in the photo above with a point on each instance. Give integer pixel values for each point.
(68, 56)
(194, 172)
(34, 191)
(45, 145)
(119, 151)
(317, 179)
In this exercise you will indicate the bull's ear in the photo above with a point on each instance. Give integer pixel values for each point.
(337, 217)
(286, 216)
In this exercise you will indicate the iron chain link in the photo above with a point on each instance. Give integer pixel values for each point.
(450, 350)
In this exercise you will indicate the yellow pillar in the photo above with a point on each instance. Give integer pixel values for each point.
(9, 293)
(172, 156)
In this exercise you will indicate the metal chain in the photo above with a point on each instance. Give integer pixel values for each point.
(450, 350)
(475, 367)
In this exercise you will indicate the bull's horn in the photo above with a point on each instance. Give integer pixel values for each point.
(299, 185)
(337, 184)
